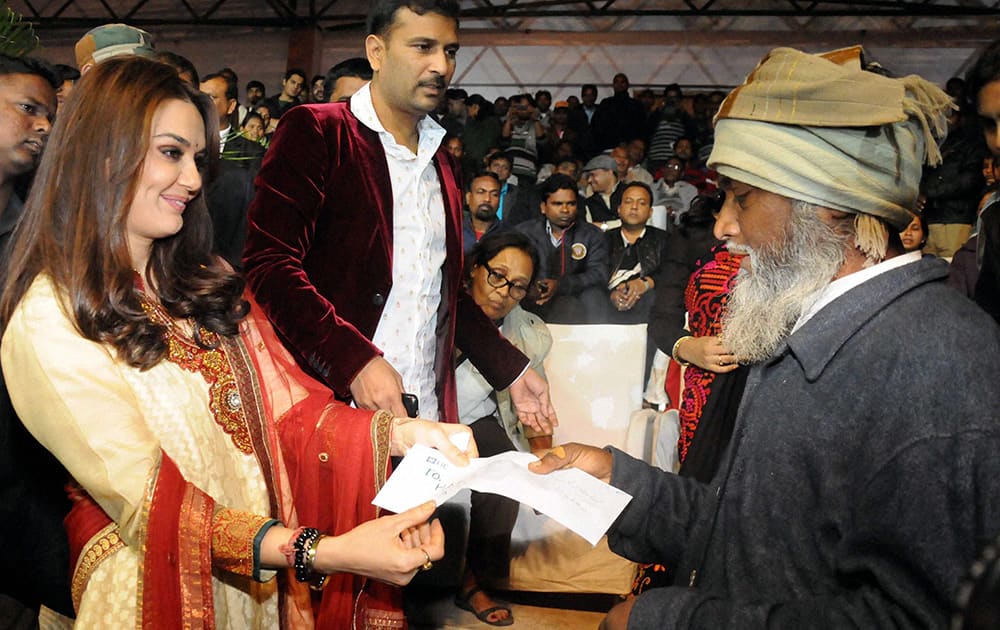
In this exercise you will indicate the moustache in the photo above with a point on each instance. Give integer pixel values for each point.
(738, 249)
(437, 82)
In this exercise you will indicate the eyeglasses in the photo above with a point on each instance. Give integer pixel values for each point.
(498, 281)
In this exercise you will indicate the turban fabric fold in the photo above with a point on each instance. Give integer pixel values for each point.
(822, 129)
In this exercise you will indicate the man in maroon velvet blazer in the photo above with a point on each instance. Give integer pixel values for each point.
(319, 248)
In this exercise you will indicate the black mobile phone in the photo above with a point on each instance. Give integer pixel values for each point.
(412, 405)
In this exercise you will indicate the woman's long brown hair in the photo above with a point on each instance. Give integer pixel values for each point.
(74, 224)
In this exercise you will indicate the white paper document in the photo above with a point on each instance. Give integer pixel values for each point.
(578, 501)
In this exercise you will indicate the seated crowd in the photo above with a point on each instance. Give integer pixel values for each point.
(804, 309)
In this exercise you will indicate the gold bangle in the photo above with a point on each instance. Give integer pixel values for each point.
(677, 345)
(318, 580)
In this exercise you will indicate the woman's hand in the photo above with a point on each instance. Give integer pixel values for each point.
(389, 549)
(594, 461)
(409, 431)
(530, 396)
(708, 353)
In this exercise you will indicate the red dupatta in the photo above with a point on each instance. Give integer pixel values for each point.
(176, 578)
(336, 458)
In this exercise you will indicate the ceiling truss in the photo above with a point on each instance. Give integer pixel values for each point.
(506, 15)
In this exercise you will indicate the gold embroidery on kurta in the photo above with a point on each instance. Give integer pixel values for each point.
(233, 533)
(105, 543)
(223, 395)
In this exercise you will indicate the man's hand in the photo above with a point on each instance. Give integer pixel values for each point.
(409, 431)
(530, 395)
(625, 295)
(379, 386)
(594, 461)
(546, 289)
(617, 618)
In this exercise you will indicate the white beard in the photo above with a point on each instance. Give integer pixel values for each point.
(784, 278)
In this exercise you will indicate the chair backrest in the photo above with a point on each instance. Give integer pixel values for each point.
(595, 380)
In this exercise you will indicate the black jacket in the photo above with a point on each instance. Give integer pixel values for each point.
(34, 568)
(599, 211)
(651, 247)
(953, 187)
(987, 292)
(578, 263)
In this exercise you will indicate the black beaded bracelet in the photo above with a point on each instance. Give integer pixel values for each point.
(303, 559)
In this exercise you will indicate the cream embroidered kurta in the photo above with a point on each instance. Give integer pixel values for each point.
(106, 422)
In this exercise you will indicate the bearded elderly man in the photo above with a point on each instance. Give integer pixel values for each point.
(862, 475)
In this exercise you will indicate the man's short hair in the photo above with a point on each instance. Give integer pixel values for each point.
(638, 184)
(456, 94)
(179, 63)
(382, 15)
(673, 87)
(354, 67)
(480, 174)
(30, 65)
(229, 72)
(985, 70)
(555, 183)
(67, 73)
(232, 92)
(254, 83)
(500, 155)
(485, 107)
(296, 71)
(588, 86)
(540, 93)
(523, 97)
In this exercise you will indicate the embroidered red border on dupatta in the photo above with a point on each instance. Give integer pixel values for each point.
(176, 588)
(335, 458)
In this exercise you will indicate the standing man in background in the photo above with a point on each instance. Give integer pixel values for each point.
(34, 569)
(354, 247)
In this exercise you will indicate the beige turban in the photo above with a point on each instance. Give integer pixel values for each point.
(822, 129)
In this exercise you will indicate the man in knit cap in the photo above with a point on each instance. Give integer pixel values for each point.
(862, 475)
(111, 40)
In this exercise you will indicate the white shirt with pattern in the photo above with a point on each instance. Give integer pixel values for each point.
(406, 331)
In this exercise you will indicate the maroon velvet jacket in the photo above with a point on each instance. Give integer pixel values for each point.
(318, 255)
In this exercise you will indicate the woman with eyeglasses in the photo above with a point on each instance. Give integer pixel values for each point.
(500, 270)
